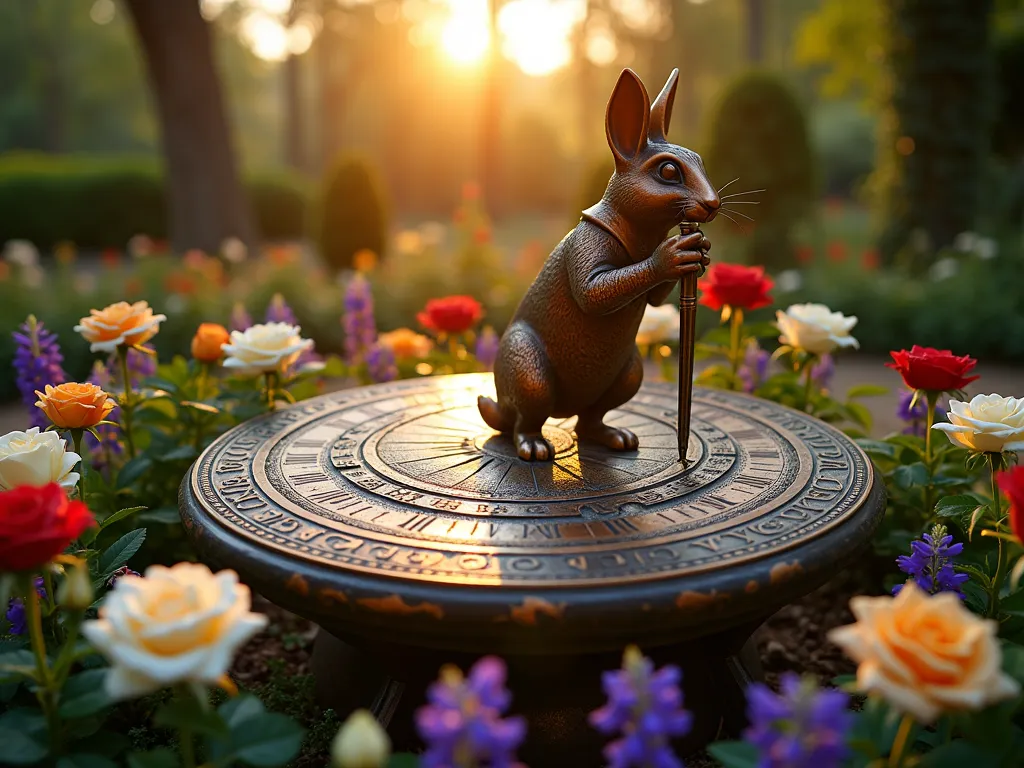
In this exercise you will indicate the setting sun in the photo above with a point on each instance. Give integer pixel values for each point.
(467, 34)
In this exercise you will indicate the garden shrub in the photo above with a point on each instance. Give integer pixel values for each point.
(101, 202)
(758, 133)
(351, 214)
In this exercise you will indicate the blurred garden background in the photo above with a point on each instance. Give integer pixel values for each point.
(206, 156)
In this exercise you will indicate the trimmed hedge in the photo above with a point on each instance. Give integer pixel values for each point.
(101, 202)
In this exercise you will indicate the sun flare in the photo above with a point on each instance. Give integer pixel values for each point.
(466, 35)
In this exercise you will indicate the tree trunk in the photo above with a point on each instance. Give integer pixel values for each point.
(755, 31)
(207, 202)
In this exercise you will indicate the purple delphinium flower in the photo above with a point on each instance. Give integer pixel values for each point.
(754, 368)
(823, 371)
(357, 320)
(109, 445)
(278, 311)
(486, 350)
(16, 609)
(37, 361)
(645, 706)
(462, 725)
(803, 726)
(380, 364)
(930, 562)
(240, 319)
(915, 417)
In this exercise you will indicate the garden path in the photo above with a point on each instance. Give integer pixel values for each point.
(851, 370)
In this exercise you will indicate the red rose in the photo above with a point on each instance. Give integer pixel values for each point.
(37, 524)
(836, 251)
(1011, 482)
(933, 370)
(738, 286)
(452, 314)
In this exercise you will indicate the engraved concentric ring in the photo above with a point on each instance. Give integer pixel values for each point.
(369, 481)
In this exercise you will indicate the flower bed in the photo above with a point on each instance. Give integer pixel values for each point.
(105, 666)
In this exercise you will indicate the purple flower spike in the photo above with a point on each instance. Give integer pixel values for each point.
(37, 362)
(486, 351)
(930, 562)
(915, 417)
(823, 371)
(380, 362)
(240, 319)
(801, 727)
(102, 452)
(462, 724)
(645, 706)
(357, 320)
(278, 311)
(754, 368)
(16, 609)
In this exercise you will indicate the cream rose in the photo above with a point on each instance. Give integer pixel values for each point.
(265, 348)
(658, 324)
(174, 625)
(36, 458)
(925, 655)
(406, 344)
(361, 743)
(815, 328)
(988, 423)
(121, 323)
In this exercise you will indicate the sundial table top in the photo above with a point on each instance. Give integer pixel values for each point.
(395, 509)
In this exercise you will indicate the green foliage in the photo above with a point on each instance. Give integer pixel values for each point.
(937, 133)
(352, 214)
(841, 41)
(99, 202)
(758, 133)
(844, 141)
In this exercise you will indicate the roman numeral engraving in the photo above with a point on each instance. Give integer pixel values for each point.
(308, 478)
(334, 496)
(769, 454)
(417, 523)
(308, 444)
(753, 482)
(619, 526)
(300, 459)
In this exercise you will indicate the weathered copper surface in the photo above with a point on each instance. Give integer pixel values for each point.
(570, 349)
(396, 506)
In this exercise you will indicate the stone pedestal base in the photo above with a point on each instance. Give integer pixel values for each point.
(554, 693)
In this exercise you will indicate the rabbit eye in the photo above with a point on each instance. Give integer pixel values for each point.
(670, 172)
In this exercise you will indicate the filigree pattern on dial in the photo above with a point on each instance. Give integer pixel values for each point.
(405, 479)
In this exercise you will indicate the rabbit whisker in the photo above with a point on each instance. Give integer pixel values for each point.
(744, 202)
(730, 218)
(748, 192)
(727, 184)
(738, 213)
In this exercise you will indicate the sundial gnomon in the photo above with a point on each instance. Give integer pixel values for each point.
(405, 480)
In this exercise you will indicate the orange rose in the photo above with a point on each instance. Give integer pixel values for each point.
(364, 260)
(119, 324)
(925, 655)
(406, 344)
(74, 406)
(207, 343)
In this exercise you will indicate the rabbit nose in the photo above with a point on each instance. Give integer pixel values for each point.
(713, 204)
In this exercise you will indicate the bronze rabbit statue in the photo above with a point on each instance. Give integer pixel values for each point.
(570, 348)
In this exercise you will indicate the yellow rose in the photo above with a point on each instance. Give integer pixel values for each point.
(361, 743)
(658, 324)
(265, 348)
(925, 655)
(174, 625)
(36, 458)
(75, 406)
(406, 344)
(815, 328)
(207, 343)
(119, 324)
(988, 423)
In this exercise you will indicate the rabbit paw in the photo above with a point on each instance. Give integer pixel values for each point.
(611, 437)
(532, 446)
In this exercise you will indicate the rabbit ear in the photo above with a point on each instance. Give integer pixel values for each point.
(661, 110)
(628, 117)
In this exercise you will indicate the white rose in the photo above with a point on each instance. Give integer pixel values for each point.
(21, 252)
(815, 328)
(265, 348)
(174, 625)
(234, 250)
(988, 423)
(658, 324)
(36, 458)
(361, 743)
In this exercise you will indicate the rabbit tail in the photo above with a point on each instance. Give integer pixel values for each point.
(496, 417)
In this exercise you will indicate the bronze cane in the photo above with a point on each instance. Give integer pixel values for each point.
(687, 340)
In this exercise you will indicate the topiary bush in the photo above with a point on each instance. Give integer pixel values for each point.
(758, 132)
(351, 213)
(101, 202)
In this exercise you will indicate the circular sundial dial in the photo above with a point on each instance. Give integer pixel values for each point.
(397, 500)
